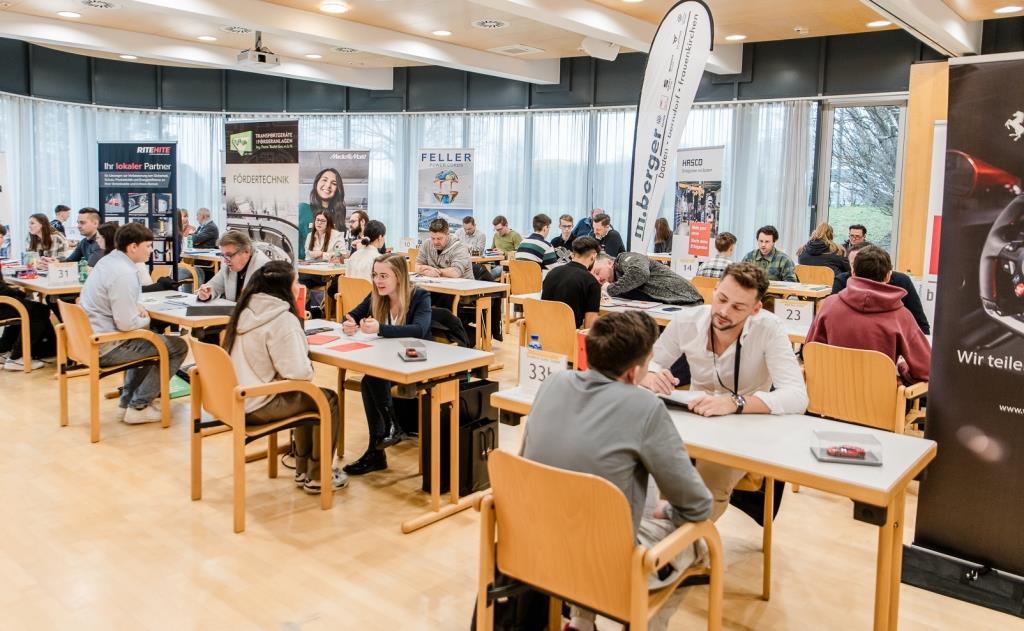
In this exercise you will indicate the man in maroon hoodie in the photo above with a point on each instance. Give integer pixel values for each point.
(870, 315)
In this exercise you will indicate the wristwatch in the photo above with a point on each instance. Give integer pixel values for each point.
(740, 402)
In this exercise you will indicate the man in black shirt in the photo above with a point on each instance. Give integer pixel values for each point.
(607, 237)
(564, 238)
(574, 285)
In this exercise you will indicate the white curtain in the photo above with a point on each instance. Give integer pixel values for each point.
(554, 162)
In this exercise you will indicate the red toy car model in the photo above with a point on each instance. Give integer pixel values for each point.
(845, 451)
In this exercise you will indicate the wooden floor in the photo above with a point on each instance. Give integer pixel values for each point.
(105, 537)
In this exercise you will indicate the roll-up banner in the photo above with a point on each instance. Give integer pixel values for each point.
(261, 184)
(698, 196)
(968, 538)
(138, 184)
(336, 182)
(444, 188)
(675, 65)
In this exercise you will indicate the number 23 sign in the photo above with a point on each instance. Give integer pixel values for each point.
(536, 366)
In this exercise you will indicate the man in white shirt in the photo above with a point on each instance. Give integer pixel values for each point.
(472, 238)
(739, 355)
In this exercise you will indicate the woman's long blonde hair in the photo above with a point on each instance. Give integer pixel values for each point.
(824, 233)
(380, 307)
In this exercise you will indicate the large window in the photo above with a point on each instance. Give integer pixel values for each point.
(862, 157)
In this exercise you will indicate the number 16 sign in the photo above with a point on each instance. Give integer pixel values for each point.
(536, 366)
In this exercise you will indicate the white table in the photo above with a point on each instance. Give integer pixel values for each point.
(43, 287)
(779, 447)
(661, 312)
(172, 307)
(209, 255)
(440, 374)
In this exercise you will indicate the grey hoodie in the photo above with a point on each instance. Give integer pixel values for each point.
(270, 345)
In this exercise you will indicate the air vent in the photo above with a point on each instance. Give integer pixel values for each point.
(490, 24)
(345, 50)
(99, 4)
(514, 50)
(238, 30)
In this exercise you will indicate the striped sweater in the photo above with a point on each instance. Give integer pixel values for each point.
(535, 248)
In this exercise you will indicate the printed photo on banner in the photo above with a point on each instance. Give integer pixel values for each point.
(698, 196)
(335, 182)
(444, 187)
(261, 184)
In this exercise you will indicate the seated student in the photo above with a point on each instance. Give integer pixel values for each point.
(577, 424)
(61, 214)
(393, 309)
(609, 238)
(634, 276)
(207, 233)
(88, 224)
(267, 343)
(41, 334)
(360, 264)
(445, 256)
(725, 248)
(869, 314)
(713, 340)
(472, 238)
(857, 234)
(771, 260)
(911, 300)
(574, 285)
(105, 242)
(42, 239)
(536, 247)
(822, 251)
(111, 298)
(356, 223)
(505, 239)
(662, 237)
(240, 261)
(564, 238)
(323, 239)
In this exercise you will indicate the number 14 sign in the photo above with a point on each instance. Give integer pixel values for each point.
(536, 366)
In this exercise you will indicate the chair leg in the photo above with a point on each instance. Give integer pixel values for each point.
(26, 345)
(796, 488)
(326, 464)
(554, 614)
(165, 396)
(197, 453)
(716, 587)
(62, 374)
(238, 459)
(272, 456)
(766, 538)
(94, 403)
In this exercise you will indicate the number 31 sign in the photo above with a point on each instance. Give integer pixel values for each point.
(536, 366)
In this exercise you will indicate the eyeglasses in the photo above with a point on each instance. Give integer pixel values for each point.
(562, 225)
(227, 256)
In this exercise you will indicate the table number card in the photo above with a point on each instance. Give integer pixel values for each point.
(536, 366)
(686, 266)
(62, 274)
(796, 315)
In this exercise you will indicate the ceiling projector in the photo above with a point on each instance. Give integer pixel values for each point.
(259, 55)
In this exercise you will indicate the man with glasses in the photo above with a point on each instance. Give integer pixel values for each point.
(240, 261)
(564, 239)
(858, 234)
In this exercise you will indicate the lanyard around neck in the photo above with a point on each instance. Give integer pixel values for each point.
(735, 390)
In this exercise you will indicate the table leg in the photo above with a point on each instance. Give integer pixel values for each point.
(897, 562)
(341, 414)
(766, 538)
(884, 567)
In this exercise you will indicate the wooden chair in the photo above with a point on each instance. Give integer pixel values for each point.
(859, 386)
(351, 292)
(414, 254)
(160, 271)
(815, 275)
(704, 281)
(570, 535)
(554, 322)
(77, 342)
(524, 277)
(215, 388)
(22, 320)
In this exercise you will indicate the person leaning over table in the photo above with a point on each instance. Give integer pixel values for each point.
(576, 423)
(739, 355)
(393, 309)
(267, 343)
(240, 261)
(633, 276)
(445, 256)
(769, 258)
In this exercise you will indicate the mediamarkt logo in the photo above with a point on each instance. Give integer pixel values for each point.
(653, 166)
(154, 151)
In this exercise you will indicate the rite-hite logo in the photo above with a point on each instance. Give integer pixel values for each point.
(241, 142)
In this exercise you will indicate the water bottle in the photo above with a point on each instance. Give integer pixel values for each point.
(188, 242)
(535, 342)
(83, 270)
(337, 249)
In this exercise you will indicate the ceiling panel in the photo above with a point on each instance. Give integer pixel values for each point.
(983, 9)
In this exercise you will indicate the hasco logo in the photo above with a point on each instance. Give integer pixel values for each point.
(241, 142)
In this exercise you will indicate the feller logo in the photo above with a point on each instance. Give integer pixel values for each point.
(241, 142)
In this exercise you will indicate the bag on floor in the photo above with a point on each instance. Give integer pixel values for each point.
(522, 609)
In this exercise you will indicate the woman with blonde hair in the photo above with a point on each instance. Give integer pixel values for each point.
(822, 251)
(393, 309)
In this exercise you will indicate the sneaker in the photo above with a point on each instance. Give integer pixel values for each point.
(338, 481)
(149, 414)
(301, 479)
(370, 461)
(17, 365)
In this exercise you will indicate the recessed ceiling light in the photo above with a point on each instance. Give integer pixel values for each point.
(879, 23)
(442, 33)
(129, 57)
(313, 56)
(69, 14)
(334, 7)
(1009, 9)
(735, 38)
(207, 38)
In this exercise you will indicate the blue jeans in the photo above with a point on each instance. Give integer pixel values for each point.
(142, 383)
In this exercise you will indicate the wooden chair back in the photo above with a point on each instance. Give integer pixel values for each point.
(815, 275)
(704, 281)
(554, 322)
(78, 332)
(567, 533)
(706, 293)
(217, 374)
(524, 277)
(351, 292)
(853, 385)
(414, 253)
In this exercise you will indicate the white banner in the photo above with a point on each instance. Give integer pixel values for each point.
(674, 67)
(444, 187)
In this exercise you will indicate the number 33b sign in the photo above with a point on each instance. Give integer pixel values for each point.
(536, 366)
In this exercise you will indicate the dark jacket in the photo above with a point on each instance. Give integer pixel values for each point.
(206, 236)
(911, 301)
(417, 319)
(639, 278)
(612, 244)
(85, 249)
(816, 252)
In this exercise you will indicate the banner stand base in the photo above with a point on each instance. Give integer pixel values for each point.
(963, 580)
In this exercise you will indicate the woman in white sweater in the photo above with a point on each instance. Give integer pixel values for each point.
(360, 264)
(266, 342)
(323, 239)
